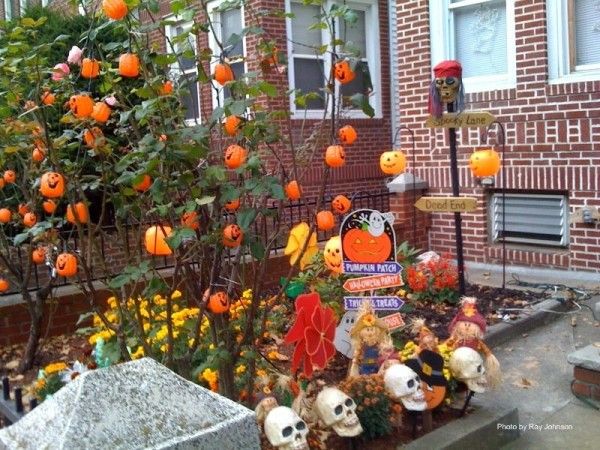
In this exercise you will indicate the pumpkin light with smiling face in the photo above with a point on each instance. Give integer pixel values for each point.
(235, 156)
(38, 256)
(335, 156)
(484, 163)
(343, 72)
(155, 242)
(232, 236)
(332, 254)
(218, 303)
(341, 204)
(392, 162)
(66, 264)
(52, 185)
(347, 134)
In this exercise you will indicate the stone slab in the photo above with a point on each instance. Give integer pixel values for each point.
(136, 405)
(587, 357)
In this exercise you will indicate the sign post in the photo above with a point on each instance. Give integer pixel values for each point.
(446, 204)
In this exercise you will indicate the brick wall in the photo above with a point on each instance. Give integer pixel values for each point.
(550, 134)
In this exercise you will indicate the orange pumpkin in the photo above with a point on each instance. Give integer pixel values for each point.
(101, 112)
(341, 204)
(3, 285)
(49, 206)
(232, 205)
(343, 72)
(293, 190)
(23, 209)
(232, 236)
(2, 183)
(190, 220)
(484, 162)
(93, 137)
(5, 215)
(82, 213)
(38, 154)
(335, 156)
(166, 88)
(218, 303)
(223, 73)
(143, 185)
(38, 256)
(347, 135)
(29, 219)
(155, 242)
(235, 156)
(52, 185)
(81, 105)
(48, 98)
(90, 68)
(129, 65)
(231, 125)
(114, 9)
(361, 246)
(392, 162)
(325, 220)
(9, 176)
(66, 264)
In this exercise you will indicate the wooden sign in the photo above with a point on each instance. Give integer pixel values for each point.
(379, 303)
(373, 282)
(446, 204)
(461, 120)
(393, 321)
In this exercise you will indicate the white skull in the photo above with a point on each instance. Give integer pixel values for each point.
(338, 411)
(402, 383)
(467, 366)
(448, 88)
(285, 429)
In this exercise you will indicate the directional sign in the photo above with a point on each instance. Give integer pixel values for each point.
(390, 267)
(383, 303)
(447, 204)
(461, 120)
(373, 282)
(393, 321)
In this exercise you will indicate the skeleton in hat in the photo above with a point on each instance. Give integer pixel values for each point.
(466, 330)
(446, 88)
(371, 341)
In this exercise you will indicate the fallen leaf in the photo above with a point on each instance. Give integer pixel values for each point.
(523, 383)
(525, 335)
(11, 365)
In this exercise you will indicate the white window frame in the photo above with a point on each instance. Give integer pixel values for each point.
(45, 3)
(218, 96)
(559, 66)
(8, 10)
(22, 6)
(441, 27)
(170, 33)
(373, 59)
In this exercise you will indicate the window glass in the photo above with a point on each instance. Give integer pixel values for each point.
(354, 34)
(308, 74)
(231, 23)
(304, 41)
(587, 32)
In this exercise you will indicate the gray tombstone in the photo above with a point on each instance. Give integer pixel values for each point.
(136, 405)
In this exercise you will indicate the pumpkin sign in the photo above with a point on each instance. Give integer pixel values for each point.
(155, 242)
(52, 185)
(218, 303)
(484, 163)
(66, 264)
(341, 204)
(232, 236)
(335, 156)
(392, 162)
(347, 134)
(343, 72)
(235, 156)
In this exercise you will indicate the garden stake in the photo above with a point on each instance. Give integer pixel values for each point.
(19, 400)
(5, 388)
(464, 408)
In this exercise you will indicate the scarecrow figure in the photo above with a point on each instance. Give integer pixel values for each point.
(446, 88)
(466, 330)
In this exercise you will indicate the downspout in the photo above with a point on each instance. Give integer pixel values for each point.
(393, 46)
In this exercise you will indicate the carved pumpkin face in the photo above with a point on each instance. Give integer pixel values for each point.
(232, 205)
(155, 242)
(5, 215)
(190, 220)
(484, 163)
(341, 204)
(66, 264)
(335, 156)
(232, 236)
(223, 73)
(81, 105)
(362, 247)
(347, 135)
(29, 219)
(293, 190)
(218, 303)
(90, 68)
(49, 206)
(333, 254)
(129, 65)
(93, 137)
(52, 185)
(392, 162)
(38, 256)
(325, 220)
(82, 213)
(9, 176)
(342, 72)
(235, 156)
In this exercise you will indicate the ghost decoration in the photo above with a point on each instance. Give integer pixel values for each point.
(342, 341)
(338, 411)
(285, 429)
(402, 383)
(467, 366)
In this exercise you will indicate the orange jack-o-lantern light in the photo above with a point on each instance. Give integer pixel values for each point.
(66, 264)
(52, 185)
(29, 219)
(293, 190)
(23, 209)
(166, 88)
(38, 256)
(155, 242)
(93, 137)
(392, 162)
(325, 220)
(129, 65)
(235, 156)
(144, 184)
(48, 98)
(333, 254)
(81, 105)
(9, 176)
(232, 236)
(38, 155)
(218, 303)
(82, 213)
(90, 68)
(335, 156)
(223, 73)
(341, 204)
(232, 205)
(231, 125)
(101, 112)
(49, 206)
(4, 285)
(343, 72)
(5, 215)
(347, 135)
(190, 219)
(114, 9)
(484, 162)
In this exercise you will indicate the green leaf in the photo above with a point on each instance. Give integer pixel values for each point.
(245, 217)
(257, 249)
(20, 238)
(207, 199)
(179, 235)
(362, 102)
(119, 281)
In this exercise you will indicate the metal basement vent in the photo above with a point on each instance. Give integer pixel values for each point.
(531, 219)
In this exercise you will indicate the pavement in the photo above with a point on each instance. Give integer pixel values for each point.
(536, 374)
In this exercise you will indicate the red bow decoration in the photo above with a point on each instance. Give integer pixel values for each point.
(313, 333)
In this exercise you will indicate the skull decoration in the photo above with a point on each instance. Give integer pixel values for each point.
(446, 88)
(467, 366)
(285, 429)
(338, 411)
(402, 383)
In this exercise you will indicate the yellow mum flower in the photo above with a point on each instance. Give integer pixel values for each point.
(139, 353)
(211, 347)
(247, 294)
(272, 355)
(40, 384)
(147, 326)
(97, 321)
(210, 375)
(55, 368)
(261, 373)
(176, 294)
(112, 302)
(240, 369)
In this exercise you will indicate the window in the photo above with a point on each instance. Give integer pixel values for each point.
(573, 36)
(228, 25)
(481, 35)
(22, 7)
(185, 71)
(308, 69)
(8, 10)
(541, 219)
